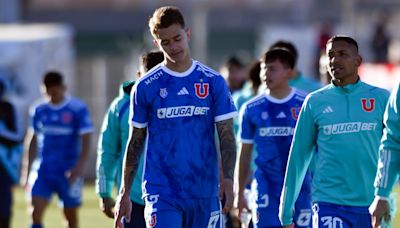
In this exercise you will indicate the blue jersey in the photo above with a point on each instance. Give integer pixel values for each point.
(58, 129)
(179, 111)
(269, 123)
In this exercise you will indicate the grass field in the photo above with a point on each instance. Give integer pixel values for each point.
(89, 214)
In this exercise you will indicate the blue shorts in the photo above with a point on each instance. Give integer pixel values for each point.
(165, 212)
(332, 215)
(266, 198)
(70, 195)
(137, 217)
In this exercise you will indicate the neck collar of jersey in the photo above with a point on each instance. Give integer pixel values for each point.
(180, 74)
(349, 88)
(60, 105)
(283, 100)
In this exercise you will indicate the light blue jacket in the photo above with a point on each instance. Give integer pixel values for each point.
(111, 148)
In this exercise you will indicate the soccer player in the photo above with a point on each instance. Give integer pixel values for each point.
(388, 165)
(176, 106)
(59, 141)
(344, 121)
(111, 149)
(10, 151)
(268, 122)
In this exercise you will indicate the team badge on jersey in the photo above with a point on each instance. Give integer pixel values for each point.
(202, 90)
(163, 92)
(264, 115)
(295, 112)
(66, 117)
(368, 106)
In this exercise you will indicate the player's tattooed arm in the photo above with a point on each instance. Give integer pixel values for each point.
(227, 147)
(132, 156)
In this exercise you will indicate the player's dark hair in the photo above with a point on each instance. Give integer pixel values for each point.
(289, 46)
(281, 54)
(254, 75)
(233, 61)
(53, 78)
(151, 59)
(344, 38)
(164, 17)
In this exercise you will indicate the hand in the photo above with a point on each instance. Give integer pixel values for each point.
(289, 226)
(107, 206)
(123, 208)
(242, 204)
(74, 173)
(379, 209)
(226, 190)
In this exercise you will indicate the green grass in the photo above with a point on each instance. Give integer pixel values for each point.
(89, 214)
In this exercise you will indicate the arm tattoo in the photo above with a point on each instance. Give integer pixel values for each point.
(132, 156)
(227, 147)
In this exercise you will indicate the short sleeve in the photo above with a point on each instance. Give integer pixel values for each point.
(223, 103)
(138, 107)
(246, 128)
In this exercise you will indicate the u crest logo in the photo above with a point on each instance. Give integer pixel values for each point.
(201, 90)
(295, 112)
(370, 106)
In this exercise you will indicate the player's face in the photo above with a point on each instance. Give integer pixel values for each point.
(173, 41)
(343, 60)
(55, 93)
(275, 74)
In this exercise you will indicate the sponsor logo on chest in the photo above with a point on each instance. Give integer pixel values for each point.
(181, 111)
(276, 131)
(351, 127)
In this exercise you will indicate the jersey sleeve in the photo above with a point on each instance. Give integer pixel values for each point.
(33, 119)
(246, 128)
(85, 122)
(138, 107)
(300, 155)
(223, 106)
(108, 152)
(389, 150)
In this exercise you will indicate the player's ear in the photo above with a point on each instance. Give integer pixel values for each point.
(188, 34)
(155, 43)
(358, 60)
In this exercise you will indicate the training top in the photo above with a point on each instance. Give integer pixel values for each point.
(345, 125)
(180, 111)
(113, 138)
(388, 165)
(58, 129)
(269, 123)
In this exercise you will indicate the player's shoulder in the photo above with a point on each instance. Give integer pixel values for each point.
(206, 70)
(380, 92)
(255, 101)
(75, 103)
(299, 94)
(39, 105)
(151, 76)
(320, 94)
